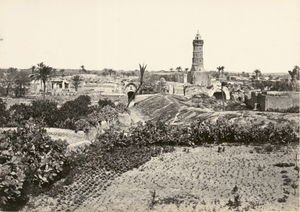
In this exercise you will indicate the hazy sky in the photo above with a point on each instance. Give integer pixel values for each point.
(241, 35)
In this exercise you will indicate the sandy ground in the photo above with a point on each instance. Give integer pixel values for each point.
(198, 180)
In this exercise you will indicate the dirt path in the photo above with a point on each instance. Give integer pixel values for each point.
(136, 116)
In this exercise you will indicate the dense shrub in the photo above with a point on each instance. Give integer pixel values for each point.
(45, 110)
(294, 109)
(69, 116)
(199, 133)
(72, 111)
(3, 113)
(28, 159)
(104, 102)
(76, 108)
(18, 113)
(94, 119)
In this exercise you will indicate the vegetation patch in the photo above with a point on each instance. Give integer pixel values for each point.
(284, 164)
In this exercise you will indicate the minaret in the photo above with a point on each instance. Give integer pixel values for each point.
(197, 64)
(198, 76)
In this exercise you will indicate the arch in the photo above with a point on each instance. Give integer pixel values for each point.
(130, 86)
(130, 94)
(218, 94)
(130, 89)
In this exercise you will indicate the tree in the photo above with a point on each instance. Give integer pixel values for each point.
(171, 69)
(294, 74)
(270, 77)
(245, 74)
(42, 73)
(83, 69)
(32, 69)
(222, 85)
(221, 69)
(257, 73)
(163, 85)
(54, 72)
(142, 71)
(62, 72)
(110, 71)
(8, 79)
(179, 68)
(76, 80)
(4, 115)
(21, 82)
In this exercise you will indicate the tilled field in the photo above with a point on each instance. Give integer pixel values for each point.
(189, 179)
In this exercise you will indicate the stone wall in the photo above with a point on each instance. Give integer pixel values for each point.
(199, 78)
(191, 90)
(210, 91)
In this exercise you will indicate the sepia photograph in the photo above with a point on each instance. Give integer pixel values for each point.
(149, 106)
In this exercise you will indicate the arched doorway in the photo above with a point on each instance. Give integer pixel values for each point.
(130, 95)
(218, 95)
(130, 89)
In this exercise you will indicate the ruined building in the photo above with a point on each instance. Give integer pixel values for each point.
(198, 75)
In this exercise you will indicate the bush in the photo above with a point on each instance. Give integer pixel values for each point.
(72, 111)
(104, 102)
(19, 113)
(46, 110)
(294, 109)
(29, 159)
(4, 115)
(159, 133)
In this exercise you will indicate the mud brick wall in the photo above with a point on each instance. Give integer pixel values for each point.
(279, 101)
(255, 98)
(178, 90)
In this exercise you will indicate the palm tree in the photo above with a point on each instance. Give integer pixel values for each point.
(76, 80)
(179, 68)
(294, 74)
(257, 73)
(42, 73)
(110, 71)
(222, 70)
(142, 71)
(32, 69)
(219, 69)
(82, 68)
(222, 85)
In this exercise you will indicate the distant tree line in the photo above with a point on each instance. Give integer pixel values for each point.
(283, 85)
(14, 81)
